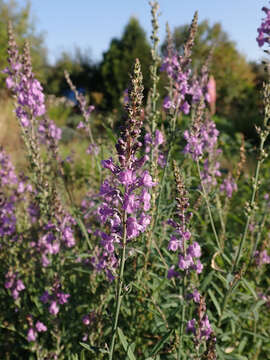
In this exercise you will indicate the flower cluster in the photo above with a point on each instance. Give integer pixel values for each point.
(14, 284)
(178, 70)
(125, 195)
(34, 330)
(201, 138)
(201, 327)
(228, 186)
(21, 80)
(13, 189)
(54, 236)
(186, 89)
(48, 131)
(261, 258)
(155, 143)
(179, 76)
(264, 30)
(210, 172)
(189, 253)
(8, 179)
(55, 298)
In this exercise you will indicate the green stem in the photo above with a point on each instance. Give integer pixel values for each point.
(183, 312)
(243, 239)
(205, 195)
(120, 281)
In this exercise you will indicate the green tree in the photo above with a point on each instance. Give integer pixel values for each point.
(24, 29)
(119, 59)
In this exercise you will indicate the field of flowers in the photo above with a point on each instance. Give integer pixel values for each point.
(158, 246)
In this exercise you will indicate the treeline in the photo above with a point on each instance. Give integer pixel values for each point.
(237, 80)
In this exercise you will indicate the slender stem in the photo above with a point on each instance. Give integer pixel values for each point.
(208, 206)
(183, 312)
(157, 210)
(120, 281)
(243, 239)
(255, 188)
(223, 305)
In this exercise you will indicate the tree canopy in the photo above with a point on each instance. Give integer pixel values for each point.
(119, 59)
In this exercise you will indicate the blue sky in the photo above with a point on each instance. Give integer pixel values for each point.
(91, 24)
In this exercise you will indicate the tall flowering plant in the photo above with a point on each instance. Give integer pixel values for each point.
(188, 265)
(125, 195)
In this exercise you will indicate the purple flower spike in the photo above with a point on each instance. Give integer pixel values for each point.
(264, 30)
(125, 193)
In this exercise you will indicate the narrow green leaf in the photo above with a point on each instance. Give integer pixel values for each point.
(207, 280)
(110, 133)
(161, 343)
(84, 231)
(125, 344)
(250, 288)
(213, 298)
(242, 344)
(93, 349)
(87, 347)
(265, 338)
(82, 355)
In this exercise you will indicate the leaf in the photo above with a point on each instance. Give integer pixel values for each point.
(125, 344)
(265, 338)
(160, 344)
(84, 231)
(242, 344)
(213, 298)
(87, 347)
(110, 133)
(82, 356)
(207, 280)
(250, 288)
(93, 349)
(214, 265)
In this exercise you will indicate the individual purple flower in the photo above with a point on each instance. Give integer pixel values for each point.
(262, 258)
(86, 320)
(194, 250)
(89, 318)
(54, 308)
(191, 326)
(175, 243)
(41, 327)
(195, 295)
(31, 335)
(172, 273)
